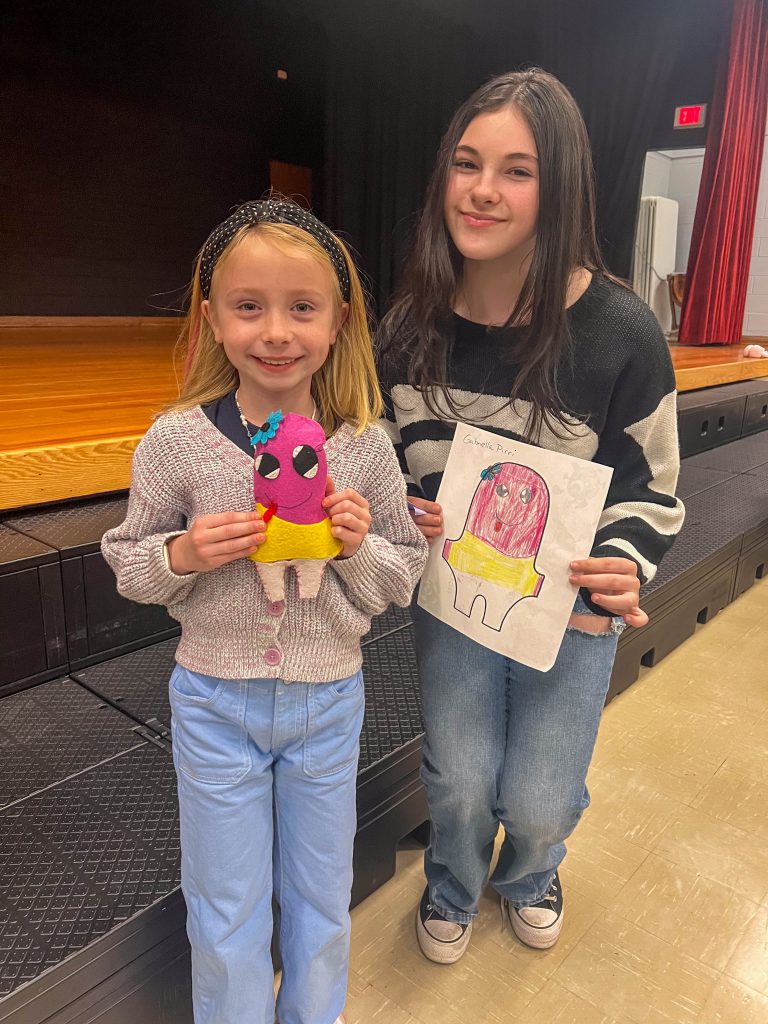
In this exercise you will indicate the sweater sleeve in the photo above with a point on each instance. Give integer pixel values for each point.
(389, 372)
(389, 425)
(642, 516)
(134, 550)
(388, 564)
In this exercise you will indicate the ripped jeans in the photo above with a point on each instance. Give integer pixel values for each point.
(508, 745)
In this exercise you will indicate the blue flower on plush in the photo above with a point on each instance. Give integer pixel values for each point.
(267, 430)
(490, 471)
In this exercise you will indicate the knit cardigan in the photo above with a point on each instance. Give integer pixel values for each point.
(185, 468)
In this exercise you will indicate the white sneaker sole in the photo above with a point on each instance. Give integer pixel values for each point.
(536, 938)
(441, 952)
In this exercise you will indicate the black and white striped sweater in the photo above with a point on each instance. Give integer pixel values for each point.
(617, 381)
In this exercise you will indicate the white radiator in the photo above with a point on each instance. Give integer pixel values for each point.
(655, 246)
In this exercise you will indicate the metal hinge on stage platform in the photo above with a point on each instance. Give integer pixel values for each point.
(155, 732)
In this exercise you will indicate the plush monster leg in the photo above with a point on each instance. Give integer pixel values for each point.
(309, 573)
(272, 576)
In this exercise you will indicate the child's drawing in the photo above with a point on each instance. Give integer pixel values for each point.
(495, 556)
(515, 516)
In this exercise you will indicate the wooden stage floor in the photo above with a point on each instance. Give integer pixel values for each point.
(704, 366)
(75, 401)
(78, 394)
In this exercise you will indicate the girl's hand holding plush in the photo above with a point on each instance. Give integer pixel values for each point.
(350, 517)
(215, 540)
(613, 584)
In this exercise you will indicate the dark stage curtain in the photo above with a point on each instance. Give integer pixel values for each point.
(618, 60)
(718, 265)
(396, 72)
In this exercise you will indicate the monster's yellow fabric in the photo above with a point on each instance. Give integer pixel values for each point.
(296, 540)
(473, 556)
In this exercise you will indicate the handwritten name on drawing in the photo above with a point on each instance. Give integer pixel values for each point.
(489, 445)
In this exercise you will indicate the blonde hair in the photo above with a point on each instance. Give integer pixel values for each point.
(345, 388)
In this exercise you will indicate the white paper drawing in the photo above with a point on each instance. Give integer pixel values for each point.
(515, 517)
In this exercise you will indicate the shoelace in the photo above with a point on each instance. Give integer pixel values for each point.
(550, 895)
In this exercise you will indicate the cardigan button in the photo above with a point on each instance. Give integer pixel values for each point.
(272, 656)
(276, 608)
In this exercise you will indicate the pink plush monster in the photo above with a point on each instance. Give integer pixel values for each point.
(290, 471)
(494, 558)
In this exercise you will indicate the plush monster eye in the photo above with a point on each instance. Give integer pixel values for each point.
(525, 495)
(266, 465)
(502, 490)
(305, 461)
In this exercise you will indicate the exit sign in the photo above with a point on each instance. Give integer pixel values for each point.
(691, 117)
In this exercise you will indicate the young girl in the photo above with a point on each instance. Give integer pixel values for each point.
(509, 320)
(267, 695)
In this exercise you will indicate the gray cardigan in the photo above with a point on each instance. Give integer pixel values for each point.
(185, 468)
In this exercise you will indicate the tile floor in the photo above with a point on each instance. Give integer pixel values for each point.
(666, 879)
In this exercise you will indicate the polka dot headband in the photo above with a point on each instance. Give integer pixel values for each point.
(270, 211)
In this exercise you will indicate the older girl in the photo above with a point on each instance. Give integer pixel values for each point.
(507, 319)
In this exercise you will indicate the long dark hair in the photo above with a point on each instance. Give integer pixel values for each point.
(565, 240)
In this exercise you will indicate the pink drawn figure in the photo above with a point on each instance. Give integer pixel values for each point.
(494, 558)
(290, 472)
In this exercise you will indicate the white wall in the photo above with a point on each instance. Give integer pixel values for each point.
(655, 174)
(684, 181)
(756, 312)
(676, 173)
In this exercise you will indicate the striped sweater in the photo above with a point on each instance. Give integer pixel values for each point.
(617, 387)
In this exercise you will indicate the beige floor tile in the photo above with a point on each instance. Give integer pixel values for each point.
(623, 970)
(713, 848)
(478, 988)
(372, 1007)
(710, 737)
(732, 1003)
(706, 687)
(750, 756)
(749, 963)
(610, 741)
(598, 865)
(666, 877)
(695, 915)
(533, 967)
(691, 768)
(356, 984)
(624, 773)
(627, 805)
(629, 712)
(385, 954)
(738, 799)
(556, 1005)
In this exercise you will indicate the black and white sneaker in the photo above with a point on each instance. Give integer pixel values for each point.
(540, 925)
(441, 941)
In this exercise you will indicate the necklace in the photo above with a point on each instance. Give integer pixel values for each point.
(262, 430)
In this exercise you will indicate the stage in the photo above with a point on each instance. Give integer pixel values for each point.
(79, 393)
(705, 366)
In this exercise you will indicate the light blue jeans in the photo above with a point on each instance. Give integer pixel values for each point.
(505, 744)
(267, 789)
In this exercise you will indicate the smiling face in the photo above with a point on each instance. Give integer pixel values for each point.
(491, 202)
(276, 310)
(290, 470)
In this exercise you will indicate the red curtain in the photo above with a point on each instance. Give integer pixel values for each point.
(721, 245)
